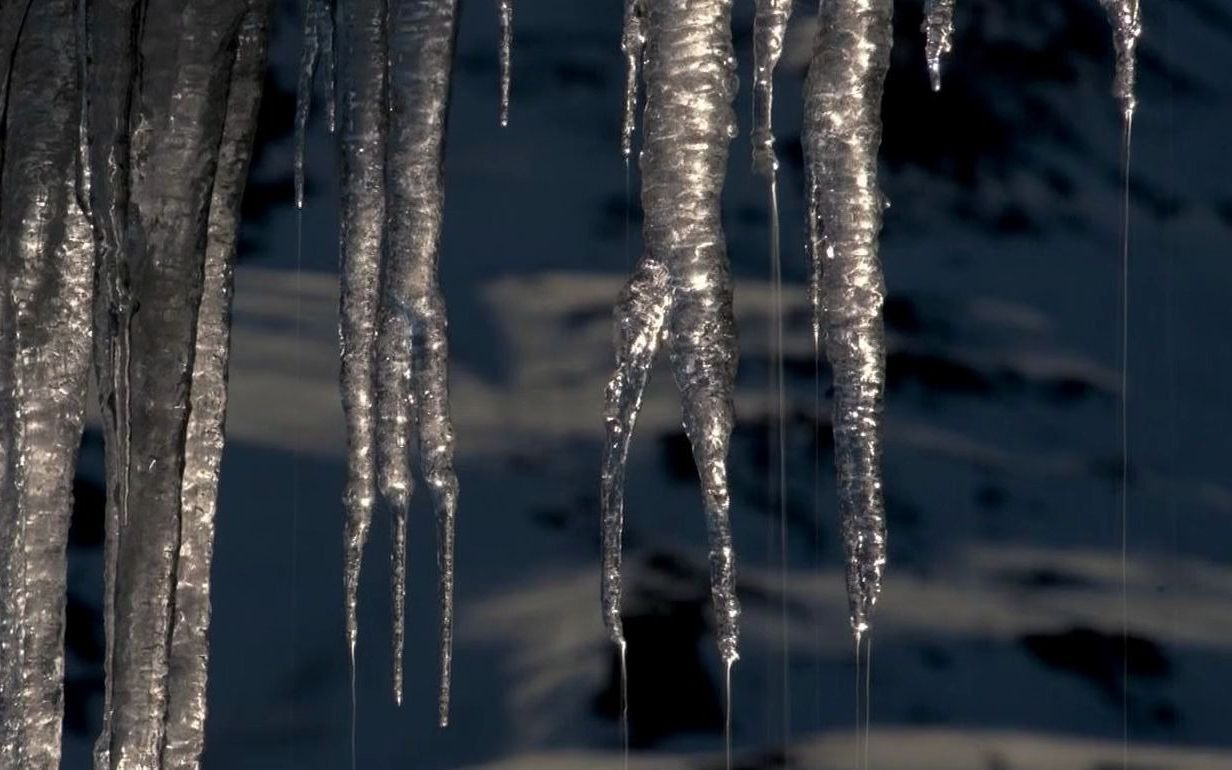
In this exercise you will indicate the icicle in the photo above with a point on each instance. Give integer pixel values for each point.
(326, 40)
(1126, 29)
(184, 91)
(681, 291)
(842, 132)
(939, 31)
(631, 42)
(506, 57)
(314, 10)
(769, 27)
(361, 79)
(46, 288)
(186, 707)
(108, 77)
(412, 349)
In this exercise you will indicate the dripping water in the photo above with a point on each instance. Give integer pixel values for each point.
(1126, 136)
(624, 702)
(727, 712)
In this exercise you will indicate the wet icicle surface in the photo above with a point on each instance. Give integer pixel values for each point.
(842, 132)
(632, 40)
(769, 27)
(1126, 29)
(680, 292)
(939, 34)
(165, 243)
(395, 95)
(46, 290)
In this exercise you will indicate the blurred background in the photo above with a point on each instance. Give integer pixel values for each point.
(998, 640)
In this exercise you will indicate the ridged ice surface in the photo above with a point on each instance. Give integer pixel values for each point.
(395, 67)
(1126, 29)
(680, 292)
(769, 27)
(939, 34)
(46, 290)
(203, 446)
(167, 154)
(842, 132)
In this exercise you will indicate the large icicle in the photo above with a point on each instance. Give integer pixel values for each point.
(842, 133)
(178, 116)
(939, 33)
(681, 290)
(769, 27)
(46, 288)
(1126, 29)
(361, 113)
(186, 706)
(412, 349)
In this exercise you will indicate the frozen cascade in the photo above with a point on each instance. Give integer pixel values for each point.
(842, 131)
(164, 240)
(680, 293)
(46, 290)
(1126, 29)
(939, 34)
(395, 77)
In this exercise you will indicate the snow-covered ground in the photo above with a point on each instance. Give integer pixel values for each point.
(998, 638)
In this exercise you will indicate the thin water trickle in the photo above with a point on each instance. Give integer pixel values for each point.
(624, 702)
(1127, 135)
(727, 712)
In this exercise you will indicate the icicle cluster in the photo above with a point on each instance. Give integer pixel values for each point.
(120, 196)
(395, 62)
(842, 131)
(680, 292)
(939, 31)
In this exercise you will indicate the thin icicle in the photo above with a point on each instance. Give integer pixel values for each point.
(186, 706)
(46, 288)
(842, 133)
(939, 33)
(314, 31)
(1126, 29)
(361, 79)
(412, 349)
(769, 27)
(632, 40)
(326, 41)
(505, 9)
(681, 290)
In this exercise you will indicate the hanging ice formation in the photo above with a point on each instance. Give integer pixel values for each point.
(395, 62)
(939, 32)
(842, 131)
(680, 292)
(1126, 29)
(769, 27)
(120, 197)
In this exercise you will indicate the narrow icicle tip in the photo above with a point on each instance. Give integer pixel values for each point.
(1126, 30)
(939, 31)
(632, 40)
(769, 28)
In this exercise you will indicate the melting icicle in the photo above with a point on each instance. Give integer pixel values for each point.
(842, 132)
(939, 31)
(147, 366)
(315, 12)
(680, 292)
(186, 706)
(396, 69)
(632, 41)
(361, 76)
(505, 9)
(769, 27)
(411, 342)
(1126, 29)
(46, 290)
